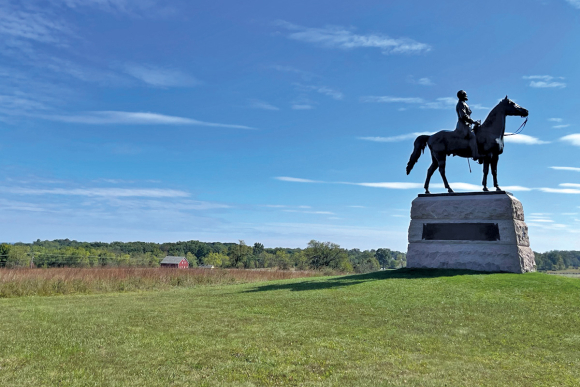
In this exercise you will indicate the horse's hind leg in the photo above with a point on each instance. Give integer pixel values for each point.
(485, 172)
(430, 171)
(442, 162)
(494, 160)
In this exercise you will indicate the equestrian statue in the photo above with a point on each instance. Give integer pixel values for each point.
(484, 143)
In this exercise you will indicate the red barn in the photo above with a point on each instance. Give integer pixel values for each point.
(176, 262)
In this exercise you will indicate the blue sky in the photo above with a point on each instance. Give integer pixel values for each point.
(274, 122)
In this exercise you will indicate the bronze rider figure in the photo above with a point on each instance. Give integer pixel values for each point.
(464, 123)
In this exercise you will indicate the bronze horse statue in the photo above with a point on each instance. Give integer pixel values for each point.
(489, 144)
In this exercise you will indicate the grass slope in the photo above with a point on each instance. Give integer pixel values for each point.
(388, 328)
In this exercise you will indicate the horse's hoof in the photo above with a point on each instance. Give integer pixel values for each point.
(485, 189)
(450, 190)
(498, 189)
(427, 192)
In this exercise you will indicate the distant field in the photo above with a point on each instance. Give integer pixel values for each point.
(58, 281)
(575, 273)
(396, 328)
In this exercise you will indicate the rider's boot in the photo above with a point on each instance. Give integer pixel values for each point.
(474, 152)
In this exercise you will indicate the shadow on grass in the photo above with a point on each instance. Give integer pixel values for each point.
(356, 279)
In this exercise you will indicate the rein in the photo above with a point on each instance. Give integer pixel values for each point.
(520, 129)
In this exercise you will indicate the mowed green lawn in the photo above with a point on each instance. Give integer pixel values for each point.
(389, 328)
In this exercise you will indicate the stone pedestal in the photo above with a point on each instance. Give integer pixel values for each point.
(482, 231)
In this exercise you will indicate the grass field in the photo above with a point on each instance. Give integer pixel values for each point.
(388, 328)
(57, 281)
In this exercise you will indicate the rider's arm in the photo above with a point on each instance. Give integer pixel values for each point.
(464, 115)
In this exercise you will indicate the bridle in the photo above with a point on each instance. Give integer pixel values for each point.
(520, 129)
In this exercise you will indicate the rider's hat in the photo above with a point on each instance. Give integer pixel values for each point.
(461, 94)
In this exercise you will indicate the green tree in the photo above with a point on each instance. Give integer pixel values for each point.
(216, 259)
(18, 257)
(367, 263)
(300, 260)
(324, 254)
(282, 260)
(268, 259)
(191, 259)
(384, 256)
(4, 251)
(257, 249)
(238, 254)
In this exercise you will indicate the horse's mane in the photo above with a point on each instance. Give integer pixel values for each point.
(491, 116)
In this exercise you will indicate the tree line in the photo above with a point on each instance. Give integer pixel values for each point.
(558, 260)
(316, 256)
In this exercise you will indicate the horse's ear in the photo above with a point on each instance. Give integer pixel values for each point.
(506, 97)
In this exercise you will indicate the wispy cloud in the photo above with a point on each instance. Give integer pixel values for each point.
(342, 38)
(389, 99)
(134, 118)
(571, 185)
(425, 82)
(560, 126)
(284, 206)
(136, 8)
(539, 218)
(546, 78)
(439, 103)
(449, 102)
(524, 139)
(574, 169)
(40, 22)
(13, 205)
(404, 185)
(543, 85)
(401, 137)
(257, 104)
(573, 139)
(545, 81)
(298, 209)
(98, 192)
(390, 185)
(478, 106)
(334, 94)
(560, 190)
(18, 105)
(516, 188)
(302, 107)
(30, 23)
(555, 119)
(173, 205)
(574, 3)
(160, 77)
(421, 81)
(295, 179)
(28, 27)
(312, 212)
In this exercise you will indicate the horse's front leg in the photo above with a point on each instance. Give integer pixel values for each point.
(442, 162)
(485, 172)
(494, 161)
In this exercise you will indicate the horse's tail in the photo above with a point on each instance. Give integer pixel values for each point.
(420, 144)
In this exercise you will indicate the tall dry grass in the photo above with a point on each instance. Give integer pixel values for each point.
(56, 281)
